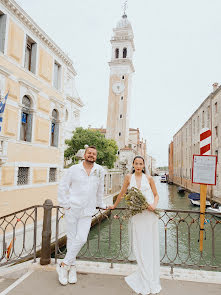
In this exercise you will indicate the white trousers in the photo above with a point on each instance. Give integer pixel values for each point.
(77, 227)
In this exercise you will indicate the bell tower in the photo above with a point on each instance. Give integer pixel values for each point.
(121, 71)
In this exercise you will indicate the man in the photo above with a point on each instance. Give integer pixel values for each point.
(80, 190)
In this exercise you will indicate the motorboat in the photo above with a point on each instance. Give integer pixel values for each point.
(163, 178)
(181, 189)
(215, 209)
(195, 199)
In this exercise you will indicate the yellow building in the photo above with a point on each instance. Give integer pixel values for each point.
(42, 109)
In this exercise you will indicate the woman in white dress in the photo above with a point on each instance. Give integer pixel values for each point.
(144, 232)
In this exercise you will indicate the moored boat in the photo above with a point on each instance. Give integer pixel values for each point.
(216, 210)
(181, 189)
(163, 178)
(195, 199)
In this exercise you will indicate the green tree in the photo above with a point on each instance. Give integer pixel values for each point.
(106, 148)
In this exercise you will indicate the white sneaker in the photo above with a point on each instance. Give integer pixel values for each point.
(72, 277)
(62, 273)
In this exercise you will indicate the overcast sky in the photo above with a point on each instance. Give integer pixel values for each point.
(177, 58)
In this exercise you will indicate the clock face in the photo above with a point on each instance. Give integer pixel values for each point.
(118, 87)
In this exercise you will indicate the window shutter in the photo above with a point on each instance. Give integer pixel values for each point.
(2, 32)
(56, 134)
(29, 127)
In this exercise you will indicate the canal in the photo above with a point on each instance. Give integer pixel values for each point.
(109, 239)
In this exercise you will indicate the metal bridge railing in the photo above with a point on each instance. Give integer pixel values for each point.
(18, 235)
(109, 239)
(23, 235)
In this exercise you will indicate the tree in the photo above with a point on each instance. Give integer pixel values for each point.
(106, 148)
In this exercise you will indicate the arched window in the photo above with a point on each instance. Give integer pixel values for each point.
(26, 120)
(54, 128)
(66, 115)
(125, 52)
(117, 53)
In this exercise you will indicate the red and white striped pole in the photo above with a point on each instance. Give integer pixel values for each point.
(205, 141)
(205, 149)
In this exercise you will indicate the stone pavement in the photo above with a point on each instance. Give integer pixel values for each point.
(44, 282)
(5, 283)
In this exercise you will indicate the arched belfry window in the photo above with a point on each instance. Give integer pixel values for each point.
(117, 53)
(66, 115)
(26, 120)
(125, 52)
(54, 128)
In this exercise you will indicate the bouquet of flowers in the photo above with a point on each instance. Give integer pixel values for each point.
(136, 202)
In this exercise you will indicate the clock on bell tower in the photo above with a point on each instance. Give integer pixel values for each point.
(121, 70)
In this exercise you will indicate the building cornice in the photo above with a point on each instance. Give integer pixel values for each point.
(121, 62)
(4, 71)
(23, 17)
(123, 39)
(55, 100)
(28, 85)
(75, 100)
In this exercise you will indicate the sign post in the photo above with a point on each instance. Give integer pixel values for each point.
(203, 191)
(205, 149)
(204, 173)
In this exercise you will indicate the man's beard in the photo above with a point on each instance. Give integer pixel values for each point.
(90, 160)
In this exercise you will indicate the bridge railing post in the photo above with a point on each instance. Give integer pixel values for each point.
(46, 234)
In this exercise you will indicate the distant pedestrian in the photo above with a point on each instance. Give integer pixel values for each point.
(143, 232)
(80, 190)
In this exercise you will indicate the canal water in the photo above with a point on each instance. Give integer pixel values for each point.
(109, 239)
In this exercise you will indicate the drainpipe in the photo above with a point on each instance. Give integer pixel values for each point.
(215, 87)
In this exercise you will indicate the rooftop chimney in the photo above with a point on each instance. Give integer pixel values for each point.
(215, 86)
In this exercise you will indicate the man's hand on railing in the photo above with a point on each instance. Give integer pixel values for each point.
(111, 207)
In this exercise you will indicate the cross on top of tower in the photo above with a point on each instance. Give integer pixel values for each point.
(125, 6)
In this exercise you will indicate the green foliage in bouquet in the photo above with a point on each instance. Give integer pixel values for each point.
(136, 202)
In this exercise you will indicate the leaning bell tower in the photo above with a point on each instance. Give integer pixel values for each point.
(121, 71)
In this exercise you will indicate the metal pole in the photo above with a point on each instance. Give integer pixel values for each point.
(35, 231)
(46, 234)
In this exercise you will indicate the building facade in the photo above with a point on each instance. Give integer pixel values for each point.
(42, 109)
(186, 142)
(151, 165)
(170, 162)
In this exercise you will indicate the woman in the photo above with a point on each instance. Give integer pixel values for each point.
(145, 235)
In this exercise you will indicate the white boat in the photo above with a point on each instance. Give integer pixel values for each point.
(195, 199)
(197, 203)
(215, 210)
(163, 178)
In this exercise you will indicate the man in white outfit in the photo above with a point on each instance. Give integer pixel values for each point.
(80, 191)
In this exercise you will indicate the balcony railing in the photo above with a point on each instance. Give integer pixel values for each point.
(108, 239)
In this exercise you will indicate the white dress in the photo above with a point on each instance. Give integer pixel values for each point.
(144, 235)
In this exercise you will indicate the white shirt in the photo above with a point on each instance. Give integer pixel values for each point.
(81, 191)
